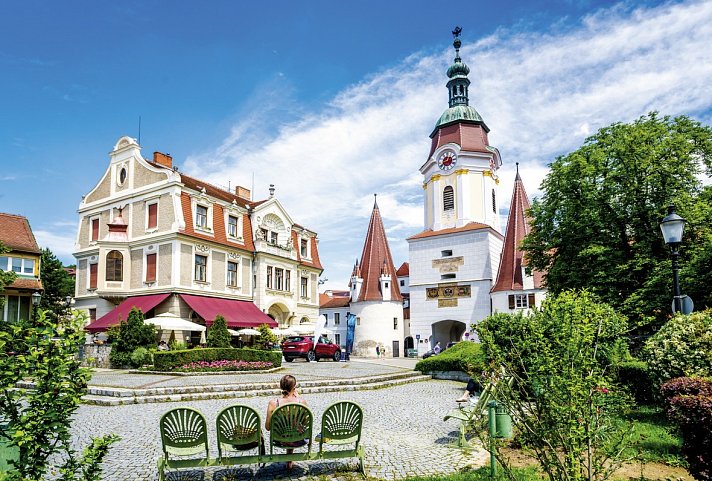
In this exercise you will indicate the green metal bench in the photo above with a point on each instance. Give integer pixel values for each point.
(467, 412)
(239, 431)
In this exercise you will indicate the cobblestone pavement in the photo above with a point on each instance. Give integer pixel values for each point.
(404, 434)
(301, 370)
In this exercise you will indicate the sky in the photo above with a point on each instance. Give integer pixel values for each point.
(329, 101)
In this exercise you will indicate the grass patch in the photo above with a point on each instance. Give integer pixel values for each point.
(658, 440)
(483, 474)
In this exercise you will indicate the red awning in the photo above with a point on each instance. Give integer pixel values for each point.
(236, 313)
(113, 318)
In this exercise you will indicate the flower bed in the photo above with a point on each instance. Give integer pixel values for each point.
(224, 365)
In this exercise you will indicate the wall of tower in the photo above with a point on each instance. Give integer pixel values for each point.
(375, 326)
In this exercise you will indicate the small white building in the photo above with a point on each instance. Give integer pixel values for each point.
(334, 306)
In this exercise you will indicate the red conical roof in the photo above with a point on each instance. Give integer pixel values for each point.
(509, 277)
(375, 259)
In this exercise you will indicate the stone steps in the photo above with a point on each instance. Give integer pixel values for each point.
(109, 396)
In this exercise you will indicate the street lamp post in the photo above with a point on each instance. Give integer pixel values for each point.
(36, 298)
(672, 227)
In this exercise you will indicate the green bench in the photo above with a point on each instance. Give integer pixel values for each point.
(466, 412)
(184, 436)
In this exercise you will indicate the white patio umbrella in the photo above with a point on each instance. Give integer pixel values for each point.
(233, 332)
(171, 322)
(249, 332)
(326, 331)
(305, 329)
(278, 331)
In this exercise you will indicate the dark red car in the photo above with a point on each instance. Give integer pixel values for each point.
(303, 346)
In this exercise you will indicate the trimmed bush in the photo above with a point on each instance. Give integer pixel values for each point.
(689, 403)
(634, 376)
(218, 335)
(140, 356)
(682, 347)
(169, 360)
(464, 356)
(132, 333)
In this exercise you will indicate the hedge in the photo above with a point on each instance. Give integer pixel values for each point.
(465, 356)
(635, 377)
(168, 360)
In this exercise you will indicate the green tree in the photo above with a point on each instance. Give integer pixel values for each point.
(6, 277)
(39, 419)
(267, 338)
(596, 225)
(133, 333)
(218, 335)
(560, 390)
(57, 284)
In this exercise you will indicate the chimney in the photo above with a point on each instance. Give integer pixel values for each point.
(242, 192)
(163, 159)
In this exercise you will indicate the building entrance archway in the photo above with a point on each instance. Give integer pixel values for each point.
(280, 313)
(447, 331)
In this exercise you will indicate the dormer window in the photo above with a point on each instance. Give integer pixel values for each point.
(273, 238)
(304, 248)
(232, 226)
(201, 217)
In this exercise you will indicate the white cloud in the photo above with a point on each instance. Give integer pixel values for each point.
(540, 93)
(59, 237)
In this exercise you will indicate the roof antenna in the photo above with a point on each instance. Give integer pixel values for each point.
(139, 130)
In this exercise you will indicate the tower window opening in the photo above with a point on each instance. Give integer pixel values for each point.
(448, 199)
(494, 201)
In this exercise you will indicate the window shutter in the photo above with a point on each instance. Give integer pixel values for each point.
(93, 270)
(152, 216)
(95, 229)
(511, 301)
(151, 268)
(532, 300)
(448, 198)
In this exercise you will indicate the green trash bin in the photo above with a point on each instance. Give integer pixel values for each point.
(503, 423)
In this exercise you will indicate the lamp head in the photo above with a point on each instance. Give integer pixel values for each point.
(672, 227)
(36, 298)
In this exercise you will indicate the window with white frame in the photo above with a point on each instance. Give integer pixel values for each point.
(337, 339)
(304, 248)
(20, 265)
(232, 274)
(304, 286)
(201, 216)
(287, 280)
(337, 318)
(151, 267)
(15, 308)
(201, 268)
(114, 266)
(520, 301)
(273, 238)
(152, 215)
(94, 226)
(269, 277)
(232, 226)
(279, 279)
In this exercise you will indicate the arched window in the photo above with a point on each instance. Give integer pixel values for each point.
(114, 266)
(448, 199)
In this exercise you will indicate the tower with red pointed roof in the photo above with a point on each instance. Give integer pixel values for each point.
(453, 261)
(376, 300)
(518, 286)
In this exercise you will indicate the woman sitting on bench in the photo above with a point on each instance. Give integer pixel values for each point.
(288, 385)
(473, 387)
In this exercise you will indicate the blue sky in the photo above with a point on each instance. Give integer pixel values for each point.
(330, 101)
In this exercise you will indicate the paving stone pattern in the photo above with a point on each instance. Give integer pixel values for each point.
(404, 434)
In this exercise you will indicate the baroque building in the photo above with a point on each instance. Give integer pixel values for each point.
(153, 237)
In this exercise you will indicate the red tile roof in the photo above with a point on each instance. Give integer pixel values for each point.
(375, 259)
(315, 261)
(218, 226)
(403, 270)
(28, 284)
(451, 230)
(16, 234)
(328, 302)
(470, 137)
(509, 277)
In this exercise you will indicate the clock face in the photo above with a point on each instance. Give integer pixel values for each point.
(447, 160)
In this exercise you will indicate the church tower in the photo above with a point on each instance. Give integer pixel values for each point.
(376, 300)
(453, 261)
(460, 175)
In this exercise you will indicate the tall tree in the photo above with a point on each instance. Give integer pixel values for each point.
(596, 225)
(57, 284)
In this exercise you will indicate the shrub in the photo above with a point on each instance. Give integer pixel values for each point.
(266, 339)
(634, 376)
(140, 356)
(205, 366)
(218, 335)
(132, 333)
(689, 403)
(464, 356)
(169, 360)
(682, 347)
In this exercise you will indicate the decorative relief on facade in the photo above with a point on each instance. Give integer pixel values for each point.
(448, 291)
(202, 248)
(448, 264)
(447, 302)
(233, 255)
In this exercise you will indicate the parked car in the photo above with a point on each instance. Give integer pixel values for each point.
(303, 346)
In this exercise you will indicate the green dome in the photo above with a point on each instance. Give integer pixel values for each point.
(458, 69)
(459, 112)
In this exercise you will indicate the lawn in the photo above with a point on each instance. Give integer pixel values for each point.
(657, 439)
